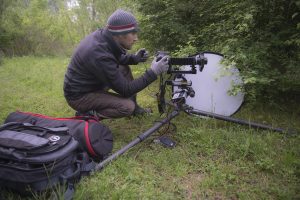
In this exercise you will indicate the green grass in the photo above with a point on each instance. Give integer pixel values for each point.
(212, 160)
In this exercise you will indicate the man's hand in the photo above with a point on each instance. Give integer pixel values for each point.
(160, 66)
(141, 56)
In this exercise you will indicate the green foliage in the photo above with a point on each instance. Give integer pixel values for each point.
(162, 22)
(31, 27)
(260, 38)
(50, 27)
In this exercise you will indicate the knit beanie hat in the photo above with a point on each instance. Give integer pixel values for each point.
(121, 22)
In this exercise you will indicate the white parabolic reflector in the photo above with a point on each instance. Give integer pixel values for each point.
(212, 87)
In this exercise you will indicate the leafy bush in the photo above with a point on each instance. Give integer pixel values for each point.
(260, 38)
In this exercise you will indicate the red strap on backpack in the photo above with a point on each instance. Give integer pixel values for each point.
(87, 139)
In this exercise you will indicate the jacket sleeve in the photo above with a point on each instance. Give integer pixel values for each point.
(128, 59)
(117, 82)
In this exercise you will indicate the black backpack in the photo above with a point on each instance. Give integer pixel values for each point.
(36, 158)
(93, 137)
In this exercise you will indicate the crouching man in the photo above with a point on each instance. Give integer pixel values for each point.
(100, 62)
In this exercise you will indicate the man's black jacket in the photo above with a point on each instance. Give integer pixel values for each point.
(94, 66)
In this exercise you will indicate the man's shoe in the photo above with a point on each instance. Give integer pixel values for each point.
(88, 114)
(141, 111)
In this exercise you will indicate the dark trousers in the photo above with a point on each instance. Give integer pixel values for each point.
(105, 103)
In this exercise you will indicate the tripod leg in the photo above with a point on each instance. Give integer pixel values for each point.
(139, 139)
(241, 121)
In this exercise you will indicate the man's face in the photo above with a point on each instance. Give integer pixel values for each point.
(127, 40)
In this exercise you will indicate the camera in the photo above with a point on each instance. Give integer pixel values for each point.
(192, 61)
(181, 87)
(179, 96)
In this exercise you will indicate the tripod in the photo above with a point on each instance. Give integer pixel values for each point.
(175, 112)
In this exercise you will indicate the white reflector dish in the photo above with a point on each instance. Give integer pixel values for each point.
(212, 87)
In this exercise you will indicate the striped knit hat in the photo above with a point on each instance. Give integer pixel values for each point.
(121, 22)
